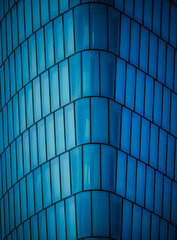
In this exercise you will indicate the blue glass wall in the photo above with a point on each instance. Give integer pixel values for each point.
(88, 119)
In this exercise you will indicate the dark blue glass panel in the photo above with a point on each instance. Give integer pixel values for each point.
(136, 223)
(45, 93)
(49, 49)
(40, 50)
(23, 199)
(166, 198)
(173, 25)
(28, 17)
(9, 38)
(41, 141)
(83, 203)
(125, 132)
(138, 10)
(25, 65)
(163, 229)
(70, 126)
(37, 99)
(26, 156)
(166, 109)
(59, 131)
(5, 127)
(21, 21)
(175, 73)
(55, 180)
(11, 209)
(91, 162)
(144, 140)
(81, 21)
(44, 12)
(58, 38)
(170, 67)
(156, 16)
(38, 189)
(119, 4)
(68, 32)
(51, 223)
(131, 177)
(149, 97)
(14, 27)
(161, 60)
(1, 133)
(130, 87)
(162, 150)
(108, 167)
(46, 184)
(60, 221)
(99, 120)
(34, 228)
(128, 7)
(2, 219)
(2, 86)
(174, 206)
(30, 194)
(71, 218)
(42, 223)
(35, 14)
(140, 187)
(100, 213)
(134, 47)
(135, 135)
(65, 175)
(121, 173)
(124, 37)
(13, 162)
(165, 19)
(6, 211)
(153, 55)
(50, 137)
(157, 103)
(74, 3)
(4, 49)
(171, 232)
(64, 82)
(98, 26)
(146, 217)
(29, 105)
(154, 227)
(19, 157)
(153, 145)
(3, 160)
(54, 88)
(126, 222)
(170, 156)
(144, 47)
(90, 73)
(54, 10)
(158, 193)
(174, 114)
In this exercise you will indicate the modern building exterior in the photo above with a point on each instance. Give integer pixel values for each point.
(88, 119)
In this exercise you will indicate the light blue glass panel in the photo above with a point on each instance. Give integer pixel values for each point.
(153, 55)
(5, 126)
(81, 21)
(153, 145)
(166, 109)
(166, 198)
(4, 181)
(157, 103)
(98, 26)
(41, 142)
(1, 133)
(54, 88)
(10, 122)
(17, 203)
(69, 126)
(51, 229)
(65, 175)
(130, 86)
(68, 32)
(55, 179)
(170, 156)
(50, 137)
(18, 69)
(54, 11)
(60, 221)
(40, 50)
(158, 193)
(0, 179)
(126, 222)
(33, 147)
(149, 97)
(22, 110)
(21, 29)
(162, 150)
(26, 152)
(42, 225)
(19, 157)
(120, 81)
(23, 199)
(146, 225)
(35, 14)
(74, 2)
(125, 131)
(32, 56)
(136, 223)
(59, 131)
(0, 47)
(44, 11)
(29, 105)
(107, 69)
(30, 194)
(91, 162)
(28, 17)
(124, 37)
(9, 33)
(114, 28)
(2, 219)
(144, 140)
(11, 209)
(131, 177)
(134, 46)
(144, 48)
(49, 45)
(83, 204)
(25, 65)
(173, 129)
(13, 162)
(161, 60)
(75, 76)
(165, 19)
(7, 82)
(4, 39)
(71, 218)
(27, 232)
(173, 203)
(58, 38)
(6, 211)
(100, 213)
(90, 73)
(34, 228)
(76, 169)
(37, 99)
(140, 187)
(46, 184)
(108, 167)
(64, 82)
(82, 109)
(38, 189)
(99, 120)
(170, 67)
(14, 27)
(64, 5)
(2, 86)
(45, 93)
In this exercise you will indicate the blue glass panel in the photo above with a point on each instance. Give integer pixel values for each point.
(125, 132)
(33, 147)
(7, 83)
(153, 55)
(156, 16)
(2, 219)
(4, 173)
(65, 175)
(134, 48)
(83, 203)
(45, 93)
(71, 218)
(60, 221)
(0, 47)
(163, 229)
(107, 69)
(44, 11)
(74, 3)
(173, 206)
(144, 140)
(0, 180)
(170, 156)
(19, 157)
(148, 13)
(10, 122)
(54, 10)
(64, 5)
(58, 38)
(108, 167)
(149, 97)
(144, 47)
(153, 145)
(136, 223)
(114, 28)
(99, 120)
(37, 99)
(126, 222)
(23, 199)
(2, 86)
(64, 82)
(138, 10)
(75, 76)
(161, 60)
(35, 14)
(100, 213)
(14, 27)
(119, 4)
(55, 179)
(98, 26)
(81, 20)
(18, 69)
(21, 29)
(51, 223)
(124, 37)
(91, 162)
(9, 38)
(76, 169)
(82, 108)
(68, 32)
(114, 123)
(30, 194)
(174, 114)
(135, 135)
(14, 163)
(38, 189)
(4, 49)
(173, 26)
(11, 209)
(130, 87)
(42, 223)
(128, 7)
(32, 56)
(59, 131)
(170, 67)
(162, 150)
(176, 161)
(171, 232)
(50, 137)
(1, 133)
(166, 198)
(40, 50)
(6, 211)
(158, 193)
(5, 127)
(41, 142)
(131, 177)
(49, 45)
(27, 232)
(165, 19)
(8, 167)
(146, 225)
(54, 88)
(140, 187)
(28, 17)
(34, 228)
(175, 73)
(90, 73)
(166, 109)
(25, 65)
(69, 126)
(157, 103)
(29, 105)
(26, 156)
(154, 227)
(46, 184)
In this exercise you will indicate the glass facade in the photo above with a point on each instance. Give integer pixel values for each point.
(88, 119)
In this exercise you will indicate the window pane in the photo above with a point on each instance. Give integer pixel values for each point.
(125, 131)
(162, 150)
(124, 37)
(166, 198)
(135, 135)
(51, 223)
(136, 223)
(14, 27)
(144, 140)
(49, 44)
(166, 109)
(50, 137)
(153, 145)
(146, 224)
(42, 223)
(174, 114)
(23, 199)
(25, 65)
(170, 156)
(149, 97)
(126, 222)
(38, 189)
(19, 157)
(157, 103)
(55, 178)
(58, 38)
(37, 99)
(161, 60)
(40, 50)
(158, 193)
(46, 184)
(121, 173)
(35, 14)
(134, 46)
(54, 88)
(18, 69)
(32, 56)
(170, 67)
(54, 11)
(59, 130)
(120, 81)
(131, 176)
(130, 87)
(149, 188)
(71, 218)
(30, 194)
(29, 105)
(140, 187)
(63, 5)
(68, 32)
(44, 12)
(64, 82)
(153, 55)
(69, 126)
(28, 17)
(21, 21)
(60, 221)
(65, 175)
(144, 48)
(41, 142)
(45, 93)
(26, 153)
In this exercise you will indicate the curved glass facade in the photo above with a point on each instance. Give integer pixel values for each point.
(88, 119)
